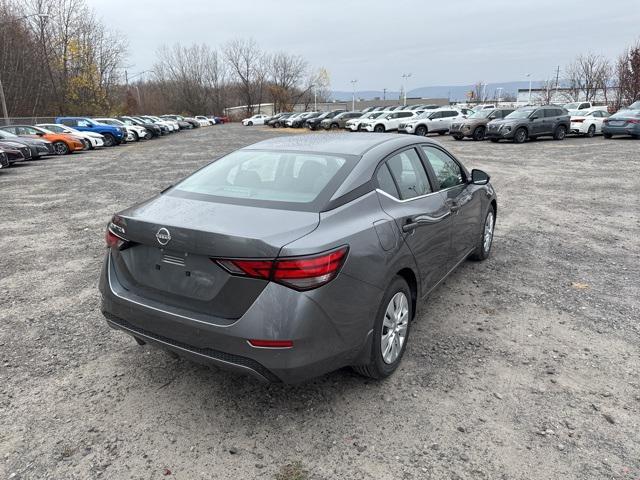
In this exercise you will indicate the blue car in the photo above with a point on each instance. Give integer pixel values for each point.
(624, 122)
(112, 135)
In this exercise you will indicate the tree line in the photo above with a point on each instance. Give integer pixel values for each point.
(57, 58)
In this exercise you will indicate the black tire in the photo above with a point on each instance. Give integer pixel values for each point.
(494, 140)
(442, 133)
(421, 131)
(136, 137)
(478, 133)
(482, 253)
(377, 368)
(276, 125)
(457, 137)
(607, 135)
(148, 135)
(560, 132)
(591, 131)
(379, 128)
(109, 140)
(520, 136)
(61, 148)
(334, 126)
(249, 124)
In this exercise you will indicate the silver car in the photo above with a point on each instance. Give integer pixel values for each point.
(297, 256)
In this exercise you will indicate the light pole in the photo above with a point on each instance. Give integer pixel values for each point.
(404, 90)
(3, 101)
(528, 75)
(498, 94)
(353, 98)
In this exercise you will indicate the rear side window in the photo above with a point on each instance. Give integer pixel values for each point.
(409, 174)
(447, 170)
(385, 181)
(265, 176)
(69, 122)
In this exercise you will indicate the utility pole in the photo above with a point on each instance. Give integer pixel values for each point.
(353, 98)
(557, 80)
(404, 90)
(384, 94)
(529, 76)
(5, 113)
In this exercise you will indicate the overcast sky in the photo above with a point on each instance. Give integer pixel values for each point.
(455, 42)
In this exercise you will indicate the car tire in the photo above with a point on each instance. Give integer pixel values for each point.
(379, 128)
(591, 131)
(421, 131)
(442, 133)
(457, 137)
(478, 134)
(148, 135)
(136, 137)
(390, 321)
(109, 140)
(276, 125)
(249, 124)
(607, 135)
(494, 140)
(485, 239)
(334, 126)
(520, 136)
(61, 148)
(560, 132)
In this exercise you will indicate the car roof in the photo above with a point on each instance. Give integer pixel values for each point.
(338, 143)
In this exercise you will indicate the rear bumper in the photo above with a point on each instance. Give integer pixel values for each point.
(629, 129)
(320, 344)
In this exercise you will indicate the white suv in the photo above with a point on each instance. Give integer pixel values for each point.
(433, 121)
(388, 122)
(355, 124)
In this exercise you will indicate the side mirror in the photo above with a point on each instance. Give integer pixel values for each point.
(534, 117)
(479, 177)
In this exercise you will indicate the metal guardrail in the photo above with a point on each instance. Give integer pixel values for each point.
(28, 120)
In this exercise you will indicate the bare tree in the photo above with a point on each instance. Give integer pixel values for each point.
(628, 76)
(244, 58)
(588, 75)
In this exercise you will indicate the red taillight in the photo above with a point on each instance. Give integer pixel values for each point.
(633, 120)
(113, 241)
(577, 120)
(299, 273)
(271, 343)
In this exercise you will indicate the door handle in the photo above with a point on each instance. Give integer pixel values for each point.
(423, 220)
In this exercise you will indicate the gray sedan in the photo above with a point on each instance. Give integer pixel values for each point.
(296, 256)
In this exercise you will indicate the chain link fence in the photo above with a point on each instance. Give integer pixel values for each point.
(27, 120)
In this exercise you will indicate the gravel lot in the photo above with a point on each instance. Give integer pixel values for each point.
(525, 366)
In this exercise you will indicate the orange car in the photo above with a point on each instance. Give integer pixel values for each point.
(63, 143)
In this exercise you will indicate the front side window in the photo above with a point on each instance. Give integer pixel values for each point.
(409, 174)
(265, 176)
(448, 172)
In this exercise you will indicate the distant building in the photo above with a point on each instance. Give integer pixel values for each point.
(561, 96)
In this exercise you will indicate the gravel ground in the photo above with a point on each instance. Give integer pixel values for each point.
(521, 367)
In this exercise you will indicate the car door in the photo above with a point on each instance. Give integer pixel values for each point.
(400, 117)
(462, 198)
(447, 120)
(537, 123)
(419, 211)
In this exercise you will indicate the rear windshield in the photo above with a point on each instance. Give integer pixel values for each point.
(269, 178)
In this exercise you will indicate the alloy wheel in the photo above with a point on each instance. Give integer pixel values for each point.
(60, 148)
(488, 232)
(394, 327)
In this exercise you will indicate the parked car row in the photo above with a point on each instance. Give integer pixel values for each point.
(485, 121)
(67, 135)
